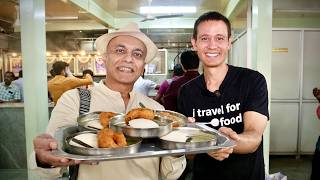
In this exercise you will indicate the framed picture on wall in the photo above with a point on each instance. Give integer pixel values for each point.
(99, 66)
(15, 64)
(83, 62)
(158, 66)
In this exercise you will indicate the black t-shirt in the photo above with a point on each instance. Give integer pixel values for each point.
(242, 90)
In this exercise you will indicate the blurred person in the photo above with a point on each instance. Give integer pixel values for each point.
(232, 99)
(125, 51)
(64, 80)
(190, 64)
(144, 86)
(19, 82)
(315, 173)
(177, 72)
(84, 73)
(9, 92)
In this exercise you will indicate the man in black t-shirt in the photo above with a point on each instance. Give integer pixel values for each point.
(231, 99)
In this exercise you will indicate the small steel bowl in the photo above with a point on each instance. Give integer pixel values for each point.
(117, 123)
(193, 140)
(133, 147)
(178, 119)
(85, 120)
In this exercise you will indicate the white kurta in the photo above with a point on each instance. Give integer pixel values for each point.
(103, 99)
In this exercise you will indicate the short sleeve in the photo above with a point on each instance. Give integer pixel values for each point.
(257, 99)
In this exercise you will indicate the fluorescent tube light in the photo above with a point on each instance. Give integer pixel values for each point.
(167, 9)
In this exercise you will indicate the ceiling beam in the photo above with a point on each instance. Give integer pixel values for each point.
(95, 11)
(234, 8)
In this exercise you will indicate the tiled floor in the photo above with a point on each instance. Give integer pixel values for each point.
(293, 168)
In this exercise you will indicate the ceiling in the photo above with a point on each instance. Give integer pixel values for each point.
(66, 15)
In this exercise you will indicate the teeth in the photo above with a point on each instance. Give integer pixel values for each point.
(125, 69)
(212, 54)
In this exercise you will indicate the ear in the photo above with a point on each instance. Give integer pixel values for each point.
(229, 43)
(194, 45)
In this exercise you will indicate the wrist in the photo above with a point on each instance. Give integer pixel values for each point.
(41, 164)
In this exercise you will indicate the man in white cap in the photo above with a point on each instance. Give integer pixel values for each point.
(125, 52)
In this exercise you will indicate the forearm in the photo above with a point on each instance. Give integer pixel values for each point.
(248, 142)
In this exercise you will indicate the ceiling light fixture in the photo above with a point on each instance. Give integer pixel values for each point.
(297, 10)
(167, 9)
(62, 18)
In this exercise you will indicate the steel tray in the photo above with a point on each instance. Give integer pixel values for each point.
(148, 147)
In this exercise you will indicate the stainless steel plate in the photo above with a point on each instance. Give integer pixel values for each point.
(148, 148)
(89, 121)
(117, 123)
(133, 146)
(178, 119)
(188, 137)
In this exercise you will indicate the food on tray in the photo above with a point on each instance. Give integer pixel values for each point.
(143, 123)
(188, 136)
(104, 118)
(94, 125)
(119, 138)
(109, 139)
(139, 113)
(87, 138)
(173, 118)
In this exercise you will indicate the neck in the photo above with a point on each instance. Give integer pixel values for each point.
(123, 89)
(214, 76)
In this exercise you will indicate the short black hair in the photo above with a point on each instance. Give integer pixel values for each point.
(177, 70)
(11, 73)
(58, 66)
(211, 16)
(87, 71)
(189, 60)
(20, 73)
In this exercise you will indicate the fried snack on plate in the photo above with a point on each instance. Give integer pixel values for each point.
(119, 138)
(139, 113)
(104, 118)
(105, 138)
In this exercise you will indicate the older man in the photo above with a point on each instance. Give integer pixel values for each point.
(125, 52)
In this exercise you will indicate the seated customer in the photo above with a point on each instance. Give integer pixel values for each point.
(144, 86)
(19, 82)
(60, 83)
(9, 92)
(177, 72)
(190, 64)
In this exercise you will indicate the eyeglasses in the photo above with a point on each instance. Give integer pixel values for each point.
(123, 51)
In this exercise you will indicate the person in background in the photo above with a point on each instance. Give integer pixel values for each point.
(9, 92)
(84, 73)
(19, 82)
(177, 72)
(231, 99)
(144, 86)
(315, 173)
(64, 80)
(125, 51)
(190, 64)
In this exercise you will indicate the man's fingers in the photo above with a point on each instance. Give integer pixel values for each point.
(191, 119)
(229, 132)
